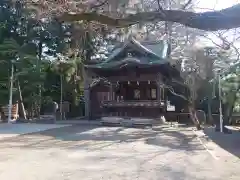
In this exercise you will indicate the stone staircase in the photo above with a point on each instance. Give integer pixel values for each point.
(129, 122)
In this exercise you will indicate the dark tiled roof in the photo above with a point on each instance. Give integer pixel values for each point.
(154, 53)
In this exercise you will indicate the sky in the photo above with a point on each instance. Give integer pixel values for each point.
(209, 5)
(206, 5)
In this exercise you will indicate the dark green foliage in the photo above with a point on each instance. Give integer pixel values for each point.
(34, 47)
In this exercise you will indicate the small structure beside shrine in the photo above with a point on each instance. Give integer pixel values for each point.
(130, 82)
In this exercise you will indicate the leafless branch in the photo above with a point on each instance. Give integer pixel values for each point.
(186, 5)
(225, 40)
(159, 5)
(99, 4)
(171, 88)
(160, 8)
(174, 93)
(179, 83)
(206, 36)
(230, 44)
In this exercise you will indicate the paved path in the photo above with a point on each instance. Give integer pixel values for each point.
(94, 153)
(221, 144)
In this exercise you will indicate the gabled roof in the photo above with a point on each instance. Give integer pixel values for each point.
(153, 53)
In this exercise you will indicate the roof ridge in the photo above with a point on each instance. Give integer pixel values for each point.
(139, 44)
(148, 42)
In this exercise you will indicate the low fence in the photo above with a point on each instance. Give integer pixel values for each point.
(235, 119)
(184, 117)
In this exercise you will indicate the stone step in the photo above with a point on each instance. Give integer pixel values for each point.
(110, 124)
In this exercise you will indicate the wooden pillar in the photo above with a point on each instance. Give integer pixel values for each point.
(163, 94)
(164, 99)
(113, 96)
(158, 90)
(111, 92)
(159, 94)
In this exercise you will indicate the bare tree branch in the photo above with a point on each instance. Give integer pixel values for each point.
(215, 20)
(171, 88)
(159, 5)
(179, 83)
(160, 8)
(186, 5)
(174, 93)
(229, 44)
(100, 4)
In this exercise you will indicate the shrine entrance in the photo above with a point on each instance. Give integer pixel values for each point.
(134, 74)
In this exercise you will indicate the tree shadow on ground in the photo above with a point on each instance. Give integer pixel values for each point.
(229, 142)
(177, 174)
(97, 138)
(175, 139)
(45, 137)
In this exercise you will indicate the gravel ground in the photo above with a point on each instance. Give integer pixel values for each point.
(94, 153)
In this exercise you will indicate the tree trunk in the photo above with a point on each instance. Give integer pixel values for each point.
(21, 105)
(61, 98)
(228, 110)
(40, 48)
(210, 118)
(194, 117)
(230, 113)
(210, 87)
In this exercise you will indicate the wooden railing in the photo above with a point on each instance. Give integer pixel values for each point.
(14, 111)
(136, 103)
